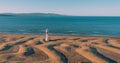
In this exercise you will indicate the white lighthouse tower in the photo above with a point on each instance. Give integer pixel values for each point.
(46, 37)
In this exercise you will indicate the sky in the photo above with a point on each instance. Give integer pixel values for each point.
(67, 7)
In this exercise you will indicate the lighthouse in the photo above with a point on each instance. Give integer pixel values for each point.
(46, 37)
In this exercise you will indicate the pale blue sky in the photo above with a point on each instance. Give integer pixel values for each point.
(68, 7)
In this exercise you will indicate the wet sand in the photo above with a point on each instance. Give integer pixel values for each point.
(25, 48)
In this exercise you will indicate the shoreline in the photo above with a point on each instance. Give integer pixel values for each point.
(58, 35)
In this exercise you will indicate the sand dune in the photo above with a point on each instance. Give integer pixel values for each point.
(16, 48)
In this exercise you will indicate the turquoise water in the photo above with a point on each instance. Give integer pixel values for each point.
(70, 25)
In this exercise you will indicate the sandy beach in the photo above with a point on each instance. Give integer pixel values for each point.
(25, 48)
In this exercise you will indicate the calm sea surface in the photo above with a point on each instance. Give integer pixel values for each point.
(70, 25)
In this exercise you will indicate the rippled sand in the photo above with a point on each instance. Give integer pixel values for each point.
(16, 48)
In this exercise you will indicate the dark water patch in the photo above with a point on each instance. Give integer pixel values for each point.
(38, 43)
(61, 55)
(12, 49)
(9, 57)
(68, 48)
(39, 55)
(6, 47)
(29, 51)
(94, 50)
(75, 45)
(20, 42)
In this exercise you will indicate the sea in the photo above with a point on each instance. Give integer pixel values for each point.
(61, 25)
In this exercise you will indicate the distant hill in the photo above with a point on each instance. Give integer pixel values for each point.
(5, 14)
(30, 14)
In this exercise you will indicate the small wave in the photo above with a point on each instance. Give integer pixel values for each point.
(71, 31)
